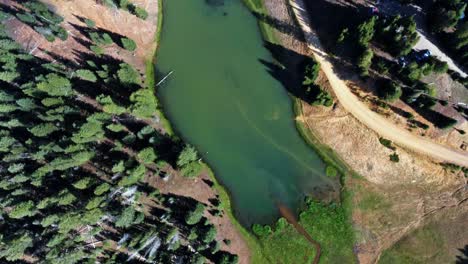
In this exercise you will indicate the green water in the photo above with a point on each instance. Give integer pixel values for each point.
(221, 99)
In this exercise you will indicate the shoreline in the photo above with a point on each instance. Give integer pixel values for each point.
(326, 154)
(150, 72)
(256, 252)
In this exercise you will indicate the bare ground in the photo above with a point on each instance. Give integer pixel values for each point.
(115, 20)
(391, 199)
(200, 190)
(446, 87)
(143, 32)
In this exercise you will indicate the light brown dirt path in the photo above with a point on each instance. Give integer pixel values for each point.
(361, 112)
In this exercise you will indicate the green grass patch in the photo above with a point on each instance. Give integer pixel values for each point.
(372, 201)
(329, 224)
(424, 245)
(287, 246)
(331, 171)
(268, 31)
(160, 22)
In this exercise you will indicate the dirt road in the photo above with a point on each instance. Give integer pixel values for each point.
(361, 112)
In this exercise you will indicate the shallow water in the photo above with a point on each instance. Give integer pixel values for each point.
(221, 99)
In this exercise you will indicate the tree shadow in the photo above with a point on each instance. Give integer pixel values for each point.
(345, 15)
(463, 258)
(288, 68)
(280, 25)
(87, 31)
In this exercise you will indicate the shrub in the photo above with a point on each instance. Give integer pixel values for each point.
(321, 97)
(440, 66)
(365, 61)
(444, 15)
(382, 67)
(425, 102)
(261, 231)
(413, 72)
(147, 155)
(431, 90)
(191, 170)
(331, 171)
(128, 44)
(193, 217)
(398, 34)
(343, 35)
(141, 13)
(394, 157)
(97, 50)
(62, 34)
(105, 39)
(366, 32)
(209, 235)
(86, 75)
(90, 23)
(128, 75)
(387, 143)
(187, 155)
(49, 37)
(424, 126)
(451, 167)
(311, 71)
(389, 91)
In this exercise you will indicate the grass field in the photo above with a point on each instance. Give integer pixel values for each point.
(327, 223)
(424, 245)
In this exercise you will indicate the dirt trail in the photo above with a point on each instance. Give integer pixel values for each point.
(289, 216)
(361, 112)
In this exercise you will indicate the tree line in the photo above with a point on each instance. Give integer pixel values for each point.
(79, 143)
